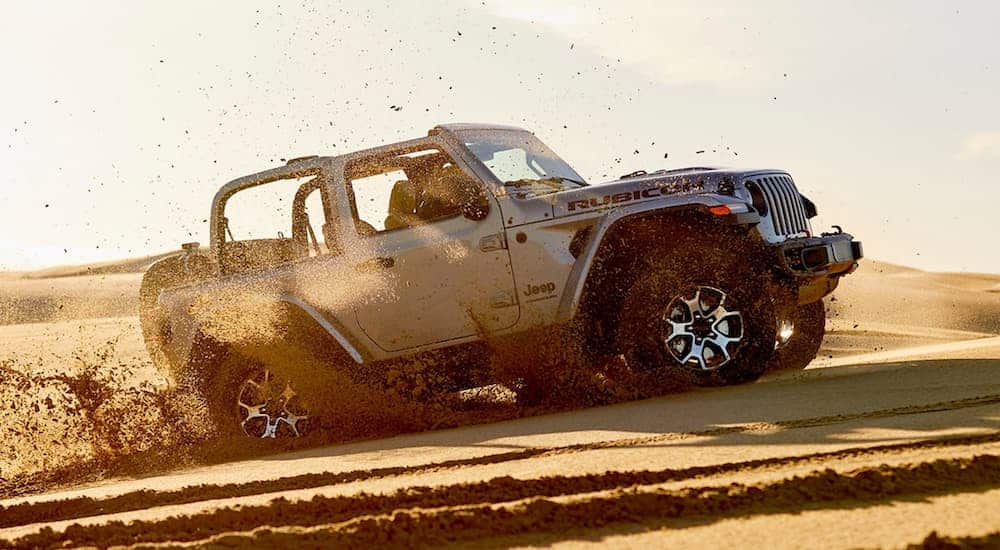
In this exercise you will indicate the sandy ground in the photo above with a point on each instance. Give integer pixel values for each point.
(892, 434)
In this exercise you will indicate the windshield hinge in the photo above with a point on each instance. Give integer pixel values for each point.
(490, 243)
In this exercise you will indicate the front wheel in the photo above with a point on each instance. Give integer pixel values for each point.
(703, 313)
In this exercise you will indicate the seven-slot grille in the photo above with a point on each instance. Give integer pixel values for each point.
(784, 204)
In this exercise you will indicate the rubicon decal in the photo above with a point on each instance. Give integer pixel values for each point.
(627, 196)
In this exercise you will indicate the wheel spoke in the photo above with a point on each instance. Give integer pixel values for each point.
(253, 410)
(723, 327)
(677, 344)
(697, 352)
(288, 393)
(706, 308)
(694, 304)
(677, 328)
(271, 431)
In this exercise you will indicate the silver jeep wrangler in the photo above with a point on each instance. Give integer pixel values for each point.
(477, 234)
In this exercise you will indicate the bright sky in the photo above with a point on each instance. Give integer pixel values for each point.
(119, 120)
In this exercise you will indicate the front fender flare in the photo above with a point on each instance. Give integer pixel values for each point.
(740, 214)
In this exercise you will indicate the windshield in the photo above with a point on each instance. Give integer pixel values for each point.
(521, 161)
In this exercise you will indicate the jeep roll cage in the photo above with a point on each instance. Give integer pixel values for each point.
(322, 170)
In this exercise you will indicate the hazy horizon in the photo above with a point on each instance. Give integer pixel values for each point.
(121, 120)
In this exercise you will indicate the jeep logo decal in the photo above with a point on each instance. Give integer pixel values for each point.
(540, 289)
(652, 192)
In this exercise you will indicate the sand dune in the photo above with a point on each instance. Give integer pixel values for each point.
(885, 294)
(889, 433)
(86, 291)
(113, 267)
(44, 300)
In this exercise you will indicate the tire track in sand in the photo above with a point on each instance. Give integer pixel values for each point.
(504, 507)
(933, 541)
(82, 507)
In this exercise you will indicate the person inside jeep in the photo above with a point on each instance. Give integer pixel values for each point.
(434, 188)
(403, 203)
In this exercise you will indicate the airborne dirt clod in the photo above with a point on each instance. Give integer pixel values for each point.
(86, 410)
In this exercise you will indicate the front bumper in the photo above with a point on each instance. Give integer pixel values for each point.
(831, 254)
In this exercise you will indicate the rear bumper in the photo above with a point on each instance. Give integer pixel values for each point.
(832, 254)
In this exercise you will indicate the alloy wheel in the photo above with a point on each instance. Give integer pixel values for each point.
(703, 330)
(269, 407)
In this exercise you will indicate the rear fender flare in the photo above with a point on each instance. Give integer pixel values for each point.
(332, 328)
(188, 336)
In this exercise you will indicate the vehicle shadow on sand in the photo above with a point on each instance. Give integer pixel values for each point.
(889, 396)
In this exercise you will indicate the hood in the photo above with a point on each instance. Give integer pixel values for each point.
(633, 189)
(620, 192)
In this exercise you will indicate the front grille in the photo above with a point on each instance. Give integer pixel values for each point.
(784, 204)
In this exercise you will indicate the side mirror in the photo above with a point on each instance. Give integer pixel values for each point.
(475, 203)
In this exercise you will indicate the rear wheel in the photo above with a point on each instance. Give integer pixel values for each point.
(702, 313)
(246, 398)
(804, 344)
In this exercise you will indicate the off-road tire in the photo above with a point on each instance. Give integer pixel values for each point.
(713, 257)
(542, 366)
(802, 348)
(220, 384)
(223, 389)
